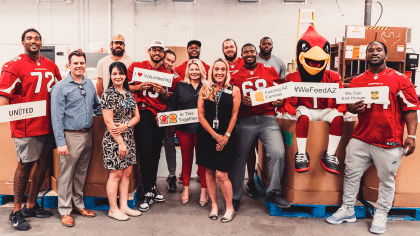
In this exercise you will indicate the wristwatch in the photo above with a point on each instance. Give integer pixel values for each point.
(128, 124)
(215, 136)
(164, 93)
(227, 134)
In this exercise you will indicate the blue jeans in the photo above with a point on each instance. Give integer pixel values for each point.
(267, 130)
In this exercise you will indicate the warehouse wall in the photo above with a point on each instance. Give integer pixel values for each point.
(211, 21)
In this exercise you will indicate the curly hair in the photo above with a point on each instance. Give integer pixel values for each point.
(209, 89)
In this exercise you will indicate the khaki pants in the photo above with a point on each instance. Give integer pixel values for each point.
(73, 168)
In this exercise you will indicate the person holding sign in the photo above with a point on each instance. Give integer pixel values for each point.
(313, 53)
(120, 115)
(150, 98)
(230, 51)
(218, 107)
(185, 97)
(378, 137)
(73, 104)
(29, 78)
(257, 122)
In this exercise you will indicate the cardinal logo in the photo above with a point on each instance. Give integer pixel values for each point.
(375, 94)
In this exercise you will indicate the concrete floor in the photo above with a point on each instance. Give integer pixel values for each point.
(173, 218)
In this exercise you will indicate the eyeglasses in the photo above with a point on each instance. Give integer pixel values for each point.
(82, 92)
(157, 50)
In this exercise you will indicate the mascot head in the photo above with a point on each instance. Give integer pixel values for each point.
(313, 55)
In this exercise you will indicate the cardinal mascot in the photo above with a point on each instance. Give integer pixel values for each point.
(313, 55)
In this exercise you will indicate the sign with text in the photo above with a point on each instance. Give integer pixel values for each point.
(272, 93)
(21, 111)
(316, 90)
(144, 75)
(377, 95)
(178, 117)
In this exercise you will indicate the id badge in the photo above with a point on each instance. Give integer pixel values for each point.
(215, 124)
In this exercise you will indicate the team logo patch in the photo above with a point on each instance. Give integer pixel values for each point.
(375, 94)
(251, 72)
(232, 66)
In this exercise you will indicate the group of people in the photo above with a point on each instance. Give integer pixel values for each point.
(223, 140)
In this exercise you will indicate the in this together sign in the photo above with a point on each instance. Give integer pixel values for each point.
(177, 117)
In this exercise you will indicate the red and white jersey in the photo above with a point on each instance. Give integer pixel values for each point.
(261, 77)
(385, 127)
(322, 103)
(147, 99)
(180, 70)
(175, 81)
(234, 67)
(25, 80)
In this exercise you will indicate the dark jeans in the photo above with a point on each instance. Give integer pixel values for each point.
(149, 137)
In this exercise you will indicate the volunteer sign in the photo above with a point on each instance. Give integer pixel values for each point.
(272, 93)
(178, 117)
(370, 95)
(143, 75)
(23, 111)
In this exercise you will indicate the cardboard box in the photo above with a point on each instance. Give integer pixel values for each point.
(316, 186)
(9, 163)
(407, 181)
(97, 175)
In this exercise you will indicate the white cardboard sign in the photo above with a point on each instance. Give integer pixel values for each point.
(21, 111)
(370, 95)
(316, 90)
(177, 117)
(272, 93)
(144, 75)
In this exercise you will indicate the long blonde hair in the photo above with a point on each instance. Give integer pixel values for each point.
(209, 89)
(201, 68)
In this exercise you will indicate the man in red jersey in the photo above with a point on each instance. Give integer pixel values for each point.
(378, 137)
(193, 50)
(257, 122)
(150, 98)
(29, 78)
(230, 51)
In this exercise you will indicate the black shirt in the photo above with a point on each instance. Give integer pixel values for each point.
(184, 97)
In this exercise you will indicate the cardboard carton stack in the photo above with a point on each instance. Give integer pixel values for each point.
(315, 186)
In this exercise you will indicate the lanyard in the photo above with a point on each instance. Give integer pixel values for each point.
(217, 102)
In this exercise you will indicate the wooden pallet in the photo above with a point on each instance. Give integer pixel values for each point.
(307, 210)
(92, 203)
(7, 200)
(396, 213)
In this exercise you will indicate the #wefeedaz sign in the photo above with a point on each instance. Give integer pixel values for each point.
(143, 75)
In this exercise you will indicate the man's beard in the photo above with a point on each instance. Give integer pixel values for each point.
(265, 53)
(117, 53)
(156, 61)
(379, 63)
(232, 57)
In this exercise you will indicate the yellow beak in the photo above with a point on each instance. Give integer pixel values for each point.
(317, 54)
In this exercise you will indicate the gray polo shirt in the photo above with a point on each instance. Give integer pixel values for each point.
(275, 62)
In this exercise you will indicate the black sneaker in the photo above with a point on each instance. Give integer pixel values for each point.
(171, 180)
(147, 202)
(36, 211)
(301, 162)
(330, 163)
(158, 196)
(18, 221)
(252, 190)
(279, 201)
(180, 178)
(236, 204)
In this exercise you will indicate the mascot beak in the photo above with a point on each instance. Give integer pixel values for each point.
(314, 60)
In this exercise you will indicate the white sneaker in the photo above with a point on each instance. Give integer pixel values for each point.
(158, 196)
(147, 202)
(379, 223)
(344, 213)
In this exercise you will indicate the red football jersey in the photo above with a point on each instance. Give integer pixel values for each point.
(262, 76)
(148, 99)
(180, 70)
(385, 127)
(234, 67)
(322, 103)
(25, 80)
(175, 81)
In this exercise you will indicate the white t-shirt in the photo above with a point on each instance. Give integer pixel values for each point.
(275, 62)
(102, 70)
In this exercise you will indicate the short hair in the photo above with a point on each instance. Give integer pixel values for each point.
(383, 44)
(77, 53)
(201, 68)
(122, 68)
(30, 30)
(248, 44)
(265, 38)
(228, 39)
(169, 51)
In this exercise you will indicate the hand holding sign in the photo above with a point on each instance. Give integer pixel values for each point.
(144, 75)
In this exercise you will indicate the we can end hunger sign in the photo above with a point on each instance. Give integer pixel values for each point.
(177, 117)
(143, 75)
(370, 95)
(21, 111)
